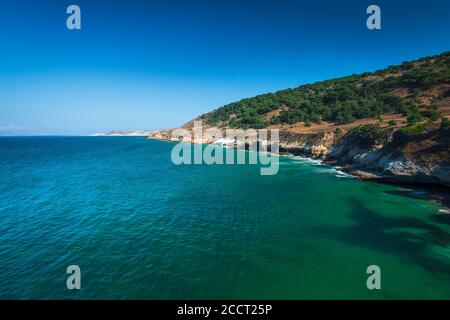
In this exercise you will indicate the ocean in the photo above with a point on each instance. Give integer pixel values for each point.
(140, 227)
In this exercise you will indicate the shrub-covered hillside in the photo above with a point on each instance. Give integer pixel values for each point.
(414, 89)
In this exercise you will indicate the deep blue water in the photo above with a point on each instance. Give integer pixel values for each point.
(140, 227)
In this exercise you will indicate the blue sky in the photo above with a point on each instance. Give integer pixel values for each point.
(157, 64)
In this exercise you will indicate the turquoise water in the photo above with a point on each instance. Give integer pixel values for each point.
(140, 227)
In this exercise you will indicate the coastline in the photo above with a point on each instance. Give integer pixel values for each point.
(305, 206)
(430, 192)
(439, 193)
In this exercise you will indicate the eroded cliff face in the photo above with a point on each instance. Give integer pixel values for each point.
(309, 145)
(421, 159)
(316, 146)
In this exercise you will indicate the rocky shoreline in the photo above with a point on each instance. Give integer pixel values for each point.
(422, 160)
(419, 163)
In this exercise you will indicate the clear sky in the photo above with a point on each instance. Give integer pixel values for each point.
(157, 64)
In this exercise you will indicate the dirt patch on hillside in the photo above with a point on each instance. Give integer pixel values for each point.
(328, 126)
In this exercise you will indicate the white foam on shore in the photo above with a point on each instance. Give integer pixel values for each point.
(224, 142)
(342, 174)
(315, 162)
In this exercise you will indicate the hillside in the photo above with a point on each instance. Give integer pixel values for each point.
(394, 96)
(391, 124)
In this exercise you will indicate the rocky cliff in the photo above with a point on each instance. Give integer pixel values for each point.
(391, 124)
(388, 155)
(422, 158)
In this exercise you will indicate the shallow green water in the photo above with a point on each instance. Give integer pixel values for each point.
(140, 227)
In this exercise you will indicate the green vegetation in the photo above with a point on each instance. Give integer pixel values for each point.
(248, 119)
(414, 118)
(445, 123)
(410, 132)
(392, 123)
(432, 115)
(343, 100)
(368, 134)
